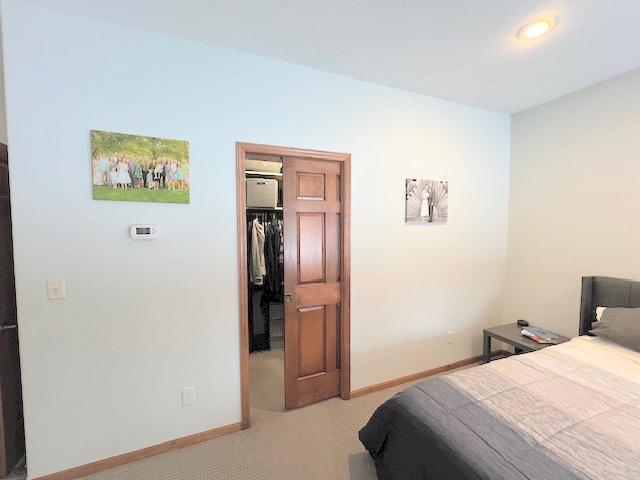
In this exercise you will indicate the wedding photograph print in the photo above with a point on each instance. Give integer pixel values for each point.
(134, 168)
(426, 201)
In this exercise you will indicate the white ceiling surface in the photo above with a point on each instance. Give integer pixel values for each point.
(462, 50)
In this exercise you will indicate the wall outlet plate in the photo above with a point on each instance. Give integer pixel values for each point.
(188, 396)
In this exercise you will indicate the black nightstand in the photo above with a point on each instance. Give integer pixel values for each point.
(511, 334)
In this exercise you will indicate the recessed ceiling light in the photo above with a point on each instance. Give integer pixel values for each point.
(535, 29)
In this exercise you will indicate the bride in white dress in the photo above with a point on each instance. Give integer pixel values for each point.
(124, 179)
(424, 207)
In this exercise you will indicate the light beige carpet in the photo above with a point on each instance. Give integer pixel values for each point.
(266, 379)
(318, 442)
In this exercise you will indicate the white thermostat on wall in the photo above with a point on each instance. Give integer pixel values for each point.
(143, 232)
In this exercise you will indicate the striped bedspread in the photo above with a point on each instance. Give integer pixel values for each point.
(567, 412)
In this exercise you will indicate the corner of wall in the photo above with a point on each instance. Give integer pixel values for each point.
(505, 273)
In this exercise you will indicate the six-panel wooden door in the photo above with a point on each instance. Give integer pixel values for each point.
(312, 233)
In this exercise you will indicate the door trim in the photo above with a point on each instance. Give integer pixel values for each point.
(242, 150)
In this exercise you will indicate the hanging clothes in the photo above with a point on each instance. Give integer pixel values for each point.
(274, 279)
(265, 263)
(258, 269)
(259, 320)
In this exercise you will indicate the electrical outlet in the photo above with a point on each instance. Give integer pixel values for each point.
(188, 396)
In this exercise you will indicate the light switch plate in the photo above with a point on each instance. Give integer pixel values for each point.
(56, 289)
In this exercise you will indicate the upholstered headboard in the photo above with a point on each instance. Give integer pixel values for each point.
(605, 292)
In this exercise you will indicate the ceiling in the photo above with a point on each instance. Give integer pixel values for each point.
(462, 50)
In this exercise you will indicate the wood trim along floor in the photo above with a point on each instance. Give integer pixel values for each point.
(427, 373)
(90, 468)
(178, 443)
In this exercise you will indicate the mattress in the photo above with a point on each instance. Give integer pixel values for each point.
(566, 412)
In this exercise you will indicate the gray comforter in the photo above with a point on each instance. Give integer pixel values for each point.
(566, 412)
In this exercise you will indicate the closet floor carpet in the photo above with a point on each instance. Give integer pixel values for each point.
(318, 442)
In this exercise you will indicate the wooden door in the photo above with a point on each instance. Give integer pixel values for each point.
(312, 232)
(11, 430)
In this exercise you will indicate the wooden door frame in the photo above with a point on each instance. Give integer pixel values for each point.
(244, 149)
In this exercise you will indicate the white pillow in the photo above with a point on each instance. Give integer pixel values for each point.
(599, 312)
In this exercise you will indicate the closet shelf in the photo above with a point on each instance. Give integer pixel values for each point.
(263, 174)
(266, 209)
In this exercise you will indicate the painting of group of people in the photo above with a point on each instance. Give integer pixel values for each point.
(123, 172)
(138, 168)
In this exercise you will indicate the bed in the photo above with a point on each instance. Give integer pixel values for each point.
(566, 412)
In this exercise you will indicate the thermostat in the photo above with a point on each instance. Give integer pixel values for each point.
(143, 232)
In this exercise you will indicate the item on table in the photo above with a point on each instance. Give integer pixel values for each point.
(540, 335)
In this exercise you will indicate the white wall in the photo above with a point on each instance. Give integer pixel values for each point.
(574, 200)
(103, 369)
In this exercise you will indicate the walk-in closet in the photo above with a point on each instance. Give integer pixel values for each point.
(265, 266)
(293, 250)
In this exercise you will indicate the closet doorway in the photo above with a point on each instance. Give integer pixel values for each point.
(310, 274)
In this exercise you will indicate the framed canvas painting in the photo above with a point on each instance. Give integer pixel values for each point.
(135, 168)
(426, 201)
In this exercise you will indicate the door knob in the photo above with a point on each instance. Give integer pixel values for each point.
(288, 297)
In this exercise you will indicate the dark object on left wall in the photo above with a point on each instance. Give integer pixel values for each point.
(11, 420)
